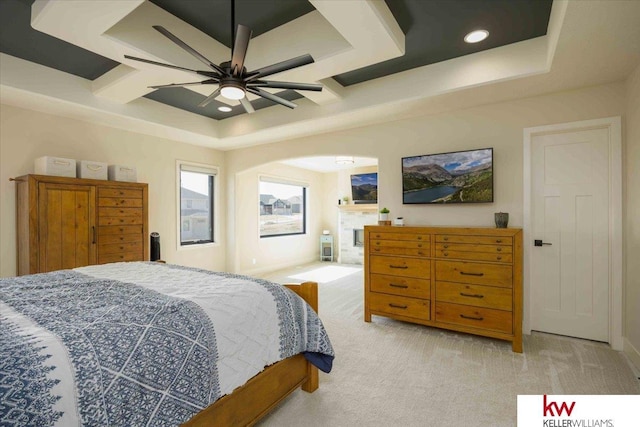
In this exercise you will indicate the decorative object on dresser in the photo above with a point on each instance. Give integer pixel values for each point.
(56, 166)
(502, 219)
(384, 217)
(71, 222)
(459, 278)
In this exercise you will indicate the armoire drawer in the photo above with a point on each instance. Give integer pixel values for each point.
(124, 212)
(474, 273)
(400, 266)
(108, 239)
(119, 220)
(400, 247)
(475, 295)
(477, 317)
(119, 202)
(121, 256)
(403, 306)
(128, 193)
(120, 247)
(119, 230)
(403, 286)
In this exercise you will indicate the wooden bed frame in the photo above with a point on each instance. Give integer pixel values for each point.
(250, 402)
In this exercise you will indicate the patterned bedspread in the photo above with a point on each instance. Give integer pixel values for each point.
(141, 344)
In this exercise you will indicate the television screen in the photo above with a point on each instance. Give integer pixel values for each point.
(364, 188)
(456, 177)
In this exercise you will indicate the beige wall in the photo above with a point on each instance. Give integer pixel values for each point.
(631, 234)
(26, 135)
(497, 125)
(273, 252)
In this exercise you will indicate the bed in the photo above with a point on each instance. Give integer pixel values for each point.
(145, 343)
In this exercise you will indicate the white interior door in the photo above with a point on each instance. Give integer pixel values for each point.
(570, 278)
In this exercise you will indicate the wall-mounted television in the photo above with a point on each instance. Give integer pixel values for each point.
(364, 188)
(455, 177)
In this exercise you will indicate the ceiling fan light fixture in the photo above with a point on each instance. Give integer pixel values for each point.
(344, 160)
(476, 36)
(232, 92)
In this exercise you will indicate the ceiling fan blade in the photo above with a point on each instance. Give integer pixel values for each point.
(247, 105)
(285, 85)
(243, 35)
(175, 67)
(204, 82)
(188, 48)
(281, 66)
(210, 98)
(271, 97)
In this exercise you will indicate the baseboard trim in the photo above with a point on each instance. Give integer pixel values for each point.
(634, 356)
(275, 267)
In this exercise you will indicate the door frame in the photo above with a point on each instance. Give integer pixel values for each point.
(613, 125)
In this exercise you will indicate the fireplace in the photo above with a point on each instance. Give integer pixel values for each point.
(358, 237)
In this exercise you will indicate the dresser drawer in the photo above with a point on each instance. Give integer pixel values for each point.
(118, 231)
(403, 286)
(472, 247)
(391, 250)
(477, 317)
(117, 257)
(399, 236)
(120, 247)
(474, 273)
(399, 266)
(475, 295)
(402, 306)
(127, 193)
(475, 256)
(120, 202)
(482, 240)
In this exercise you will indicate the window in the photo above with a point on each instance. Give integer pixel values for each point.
(282, 208)
(196, 204)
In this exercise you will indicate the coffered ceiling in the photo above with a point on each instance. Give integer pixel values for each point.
(377, 60)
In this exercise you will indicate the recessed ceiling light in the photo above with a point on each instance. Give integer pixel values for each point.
(224, 109)
(476, 36)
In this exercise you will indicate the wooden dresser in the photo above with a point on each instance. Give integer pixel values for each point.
(462, 279)
(72, 222)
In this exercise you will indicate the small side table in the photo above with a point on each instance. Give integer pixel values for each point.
(326, 247)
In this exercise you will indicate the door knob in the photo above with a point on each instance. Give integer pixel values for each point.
(540, 243)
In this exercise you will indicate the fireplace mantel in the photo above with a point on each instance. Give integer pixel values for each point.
(358, 208)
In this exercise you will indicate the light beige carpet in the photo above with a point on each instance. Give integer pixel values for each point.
(389, 373)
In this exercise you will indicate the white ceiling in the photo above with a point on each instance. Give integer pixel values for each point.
(328, 163)
(587, 43)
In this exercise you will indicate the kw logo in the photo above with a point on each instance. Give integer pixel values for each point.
(548, 408)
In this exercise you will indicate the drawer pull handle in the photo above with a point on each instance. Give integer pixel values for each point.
(420, 245)
(471, 295)
(472, 274)
(419, 237)
(499, 249)
(404, 267)
(420, 253)
(471, 317)
(404, 307)
(499, 258)
(445, 239)
(446, 253)
(499, 241)
(445, 246)
(376, 249)
(393, 285)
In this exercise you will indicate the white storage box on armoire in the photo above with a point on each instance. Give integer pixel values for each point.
(122, 173)
(56, 166)
(91, 170)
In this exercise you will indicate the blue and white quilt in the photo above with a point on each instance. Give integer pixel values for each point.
(141, 344)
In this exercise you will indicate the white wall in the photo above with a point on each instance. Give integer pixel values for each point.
(631, 155)
(26, 135)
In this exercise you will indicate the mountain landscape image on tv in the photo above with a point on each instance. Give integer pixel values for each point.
(364, 188)
(456, 177)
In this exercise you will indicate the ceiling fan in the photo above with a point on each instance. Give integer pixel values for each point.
(232, 77)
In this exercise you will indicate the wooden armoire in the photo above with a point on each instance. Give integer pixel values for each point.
(71, 222)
